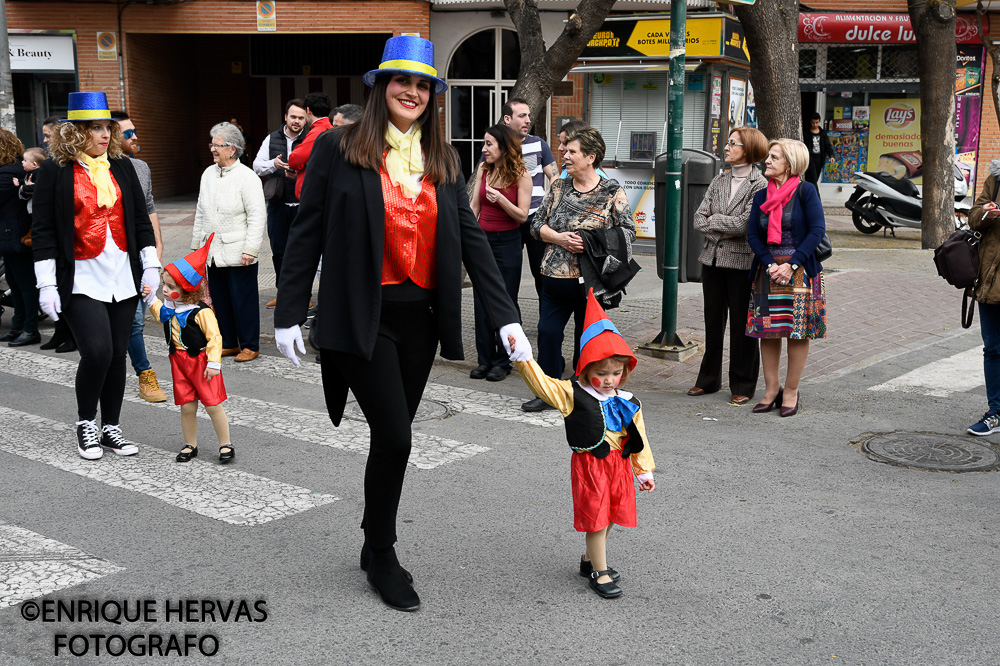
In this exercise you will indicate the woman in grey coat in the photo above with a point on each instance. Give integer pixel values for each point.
(726, 258)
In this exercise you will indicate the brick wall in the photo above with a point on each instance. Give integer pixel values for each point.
(178, 63)
(569, 105)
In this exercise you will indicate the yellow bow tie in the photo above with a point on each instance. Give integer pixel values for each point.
(404, 159)
(99, 170)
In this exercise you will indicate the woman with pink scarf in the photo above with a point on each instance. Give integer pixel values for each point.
(788, 301)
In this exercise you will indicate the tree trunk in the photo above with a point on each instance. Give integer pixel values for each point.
(541, 69)
(6, 86)
(934, 26)
(772, 38)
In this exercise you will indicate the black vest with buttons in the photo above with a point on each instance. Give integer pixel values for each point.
(192, 336)
(279, 146)
(585, 427)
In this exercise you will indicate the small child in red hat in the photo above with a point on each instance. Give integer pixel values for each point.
(195, 342)
(605, 430)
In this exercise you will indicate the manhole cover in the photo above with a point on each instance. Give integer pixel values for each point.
(931, 451)
(429, 410)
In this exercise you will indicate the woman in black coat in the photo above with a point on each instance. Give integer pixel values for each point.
(93, 244)
(384, 202)
(14, 226)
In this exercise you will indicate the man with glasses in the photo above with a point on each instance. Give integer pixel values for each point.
(149, 387)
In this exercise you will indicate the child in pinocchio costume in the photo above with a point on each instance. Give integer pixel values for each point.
(605, 430)
(192, 333)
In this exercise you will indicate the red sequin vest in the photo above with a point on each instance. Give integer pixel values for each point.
(410, 235)
(91, 221)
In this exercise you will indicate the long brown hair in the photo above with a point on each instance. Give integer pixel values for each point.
(70, 138)
(511, 165)
(364, 145)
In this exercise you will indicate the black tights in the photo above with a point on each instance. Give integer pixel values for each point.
(102, 331)
(388, 390)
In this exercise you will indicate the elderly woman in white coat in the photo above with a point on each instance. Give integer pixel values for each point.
(231, 205)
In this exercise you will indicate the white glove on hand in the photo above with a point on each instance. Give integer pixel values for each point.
(522, 348)
(151, 279)
(49, 302)
(288, 339)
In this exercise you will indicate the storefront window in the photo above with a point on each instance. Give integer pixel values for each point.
(852, 62)
(482, 71)
(899, 62)
(807, 64)
(476, 57)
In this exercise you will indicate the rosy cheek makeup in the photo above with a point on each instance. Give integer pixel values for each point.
(174, 295)
(595, 382)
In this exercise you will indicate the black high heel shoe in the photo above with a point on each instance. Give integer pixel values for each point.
(762, 407)
(791, 411)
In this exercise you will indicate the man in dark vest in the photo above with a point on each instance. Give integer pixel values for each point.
(271, 164)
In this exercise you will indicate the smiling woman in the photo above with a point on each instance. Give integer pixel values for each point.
(384, 203)
(90, 194)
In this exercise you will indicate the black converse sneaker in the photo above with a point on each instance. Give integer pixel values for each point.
(111, 438)
(88, 440)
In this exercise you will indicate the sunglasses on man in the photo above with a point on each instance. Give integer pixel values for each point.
(129, 134)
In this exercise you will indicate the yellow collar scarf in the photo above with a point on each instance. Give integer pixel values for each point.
(404, 158)
(99, 170)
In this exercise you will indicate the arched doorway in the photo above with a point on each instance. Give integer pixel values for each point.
(481, 72)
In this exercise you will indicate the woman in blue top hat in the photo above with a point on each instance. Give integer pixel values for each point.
(384, 202)
(93, 245)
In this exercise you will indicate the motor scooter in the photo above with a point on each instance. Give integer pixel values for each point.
(881, 201)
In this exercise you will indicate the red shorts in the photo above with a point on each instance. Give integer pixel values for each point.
(603, 491)
(190, 383)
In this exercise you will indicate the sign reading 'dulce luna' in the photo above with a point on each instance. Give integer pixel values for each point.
(41, 53)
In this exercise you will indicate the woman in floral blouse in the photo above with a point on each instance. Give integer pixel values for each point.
(583, 201)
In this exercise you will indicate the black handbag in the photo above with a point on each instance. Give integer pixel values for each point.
(957, 261)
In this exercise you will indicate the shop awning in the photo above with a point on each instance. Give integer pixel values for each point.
(608, 68)
(710, 36)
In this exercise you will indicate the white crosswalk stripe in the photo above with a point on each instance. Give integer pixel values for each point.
(428, 451)
(203, 487)
(956, 374)
(32, 565)
(456, 399)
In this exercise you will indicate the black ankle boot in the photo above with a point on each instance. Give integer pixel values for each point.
(366, 555)
(389, 580)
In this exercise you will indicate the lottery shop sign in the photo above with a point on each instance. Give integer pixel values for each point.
(710, 36)
(831, 28)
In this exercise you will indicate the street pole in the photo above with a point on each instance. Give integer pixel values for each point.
(6, 84)
(667, 344)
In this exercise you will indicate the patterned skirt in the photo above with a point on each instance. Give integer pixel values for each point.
(796, 310)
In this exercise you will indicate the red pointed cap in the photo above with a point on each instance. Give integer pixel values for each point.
(601, 339)
(190, 271)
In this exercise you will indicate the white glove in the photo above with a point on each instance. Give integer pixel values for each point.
(49, 302)
(288, 339)
(149, 298)
(151, 279)
(522, 348)
(643, 478)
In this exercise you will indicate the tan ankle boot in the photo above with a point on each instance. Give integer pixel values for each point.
(149, 388)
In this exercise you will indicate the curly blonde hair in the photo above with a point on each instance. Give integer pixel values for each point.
(11, 147)
(72, 137)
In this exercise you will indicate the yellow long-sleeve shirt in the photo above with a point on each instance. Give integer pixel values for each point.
(206, 321)
(559, 394)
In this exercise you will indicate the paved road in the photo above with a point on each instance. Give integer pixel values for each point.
(767, 540)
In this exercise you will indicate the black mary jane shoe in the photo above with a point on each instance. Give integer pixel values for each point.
(480, 372)
(606, 590)
(587, 568)
(187, 453)
(366, 555)
(226, 456)
(387, 577)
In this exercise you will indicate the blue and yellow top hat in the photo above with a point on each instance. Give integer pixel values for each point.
(87, 106)
(407, 54)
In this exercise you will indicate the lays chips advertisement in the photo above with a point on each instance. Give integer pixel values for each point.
(894, 138)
